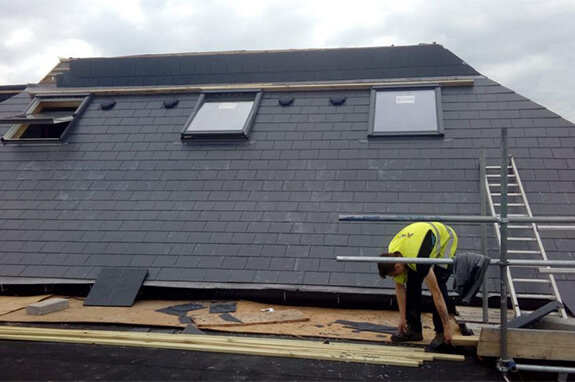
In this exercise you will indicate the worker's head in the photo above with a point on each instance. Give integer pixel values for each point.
(390, 269)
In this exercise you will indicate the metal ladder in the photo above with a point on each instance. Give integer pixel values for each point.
(524, 240)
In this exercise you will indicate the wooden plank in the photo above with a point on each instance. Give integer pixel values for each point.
(530, 344)
(465, 340)
(226, 341)
(264, 86)
(397, 361)
(207, 321)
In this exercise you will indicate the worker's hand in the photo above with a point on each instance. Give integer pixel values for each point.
(447, 335)
(402, 326)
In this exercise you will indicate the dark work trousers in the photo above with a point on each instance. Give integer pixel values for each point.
(415, 280)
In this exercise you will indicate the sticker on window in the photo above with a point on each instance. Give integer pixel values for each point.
(228, 105)
(405, 99)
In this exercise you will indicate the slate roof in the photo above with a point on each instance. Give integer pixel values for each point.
(124, 191)
(7, 91)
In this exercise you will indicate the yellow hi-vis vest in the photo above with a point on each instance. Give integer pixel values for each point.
(408, 242)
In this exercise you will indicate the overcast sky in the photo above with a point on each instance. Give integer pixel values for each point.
(527, 45)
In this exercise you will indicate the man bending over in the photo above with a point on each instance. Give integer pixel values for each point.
(423, 240)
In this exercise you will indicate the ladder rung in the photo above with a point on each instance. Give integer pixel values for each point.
(523, 252)
(496, 167)
(552, 271)
(508, 194)
(537, 296)
(498, 175)
(511, 204)
(521, 239)
(537, 281)
(523, 215)
(499, 184)
(519, 227)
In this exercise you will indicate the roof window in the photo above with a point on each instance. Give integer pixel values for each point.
(406, 111)
(47, 119)
(222, 114)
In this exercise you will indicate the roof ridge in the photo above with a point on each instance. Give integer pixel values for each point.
(244, 51)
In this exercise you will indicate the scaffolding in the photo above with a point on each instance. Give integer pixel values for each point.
(502, 222)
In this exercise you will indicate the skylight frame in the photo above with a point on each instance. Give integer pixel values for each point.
(439, 132)
(240, 95)
(32, 117)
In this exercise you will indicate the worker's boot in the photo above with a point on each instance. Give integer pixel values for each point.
(438, 345)
(408, 336)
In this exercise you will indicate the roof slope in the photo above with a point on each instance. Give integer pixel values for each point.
(267, 66)
(124, 191)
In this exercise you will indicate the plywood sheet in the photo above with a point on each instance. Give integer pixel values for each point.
(141, 313)
(321, 320)
(11, 303)
(322, 323)
(251, 318)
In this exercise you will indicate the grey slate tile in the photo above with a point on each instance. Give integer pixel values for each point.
(211, 261)
(241, 276)
(316, 278)
(291, 277)
(11, 270)
(235, 262)
(258, 263)
(265, 277)
(217, 275)
(282, 264)
(169, 274)
(193, 274)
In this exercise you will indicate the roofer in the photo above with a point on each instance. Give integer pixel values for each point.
(423, 240)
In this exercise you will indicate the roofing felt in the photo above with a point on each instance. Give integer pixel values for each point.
(124, 191)
(266, 66)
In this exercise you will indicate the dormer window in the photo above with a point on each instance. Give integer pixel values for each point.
(222, 115)
(406, 111)
(47, 119)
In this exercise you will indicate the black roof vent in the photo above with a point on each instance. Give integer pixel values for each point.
(108, 104)
(337, 101)
(171, 103)
(285, 101)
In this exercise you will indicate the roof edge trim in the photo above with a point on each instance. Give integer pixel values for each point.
(285, 87)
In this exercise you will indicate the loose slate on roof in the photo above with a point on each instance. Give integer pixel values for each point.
(116, 287)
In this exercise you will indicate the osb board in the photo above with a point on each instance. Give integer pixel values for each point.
(141, 313)
(322, 323)
(249, 318)
(10, 303)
